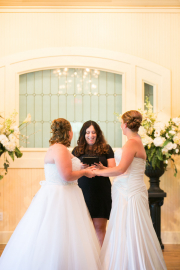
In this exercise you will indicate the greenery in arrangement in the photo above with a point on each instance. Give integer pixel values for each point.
(161, 141)
(9, 138)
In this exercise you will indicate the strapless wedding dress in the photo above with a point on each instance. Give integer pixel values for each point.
(131, 242)
(56, 232)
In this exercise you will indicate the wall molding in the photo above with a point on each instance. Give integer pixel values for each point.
(87, 9)
(134, 71)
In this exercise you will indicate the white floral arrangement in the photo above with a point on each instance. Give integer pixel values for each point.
(160, 141)
(9, 138)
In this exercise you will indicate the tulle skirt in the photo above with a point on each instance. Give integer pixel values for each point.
(56, 233)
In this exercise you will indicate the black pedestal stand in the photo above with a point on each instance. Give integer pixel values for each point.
(156, 198)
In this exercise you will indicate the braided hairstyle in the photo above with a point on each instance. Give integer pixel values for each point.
(60, 129)
(133, 120)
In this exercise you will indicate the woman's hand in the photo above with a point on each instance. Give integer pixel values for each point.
(89, 173)
(99, 166)
(84, 166)
(97, 172)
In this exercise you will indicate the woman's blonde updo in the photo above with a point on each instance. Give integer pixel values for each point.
(60, 129)
(133, 120)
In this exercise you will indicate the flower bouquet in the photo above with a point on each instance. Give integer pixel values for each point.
(161, 141)
(9, 138)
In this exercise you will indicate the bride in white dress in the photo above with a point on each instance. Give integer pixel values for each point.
(130, 242)
(56, 232)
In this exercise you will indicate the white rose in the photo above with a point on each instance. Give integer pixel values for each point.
(10, 146)
(170, 146)
(12, 138)
(146, 140)
(28, 118)
(4, 140)
(164, 150)
(157, 133)
(177, 150)
(172, 132)
(176, 120)
(174, 145)
(142, 131)
(159, 126)
(176, 138)
(158, 141)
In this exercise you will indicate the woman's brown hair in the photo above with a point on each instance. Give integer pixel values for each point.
(133, 120)
(100, 147)
(60, 129)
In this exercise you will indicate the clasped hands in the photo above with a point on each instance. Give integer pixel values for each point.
(93, 170)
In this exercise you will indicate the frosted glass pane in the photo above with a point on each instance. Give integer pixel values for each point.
(118, 105)
(86, 108)
(94, 108)
(38, 82)
(62, 83)
(110, 108)
(87, 82)
(102, 82)
(78, 81)
(54, 107)
(70, 82)
(54, 83)
(22, 108)
(102, 108)
(118, 135)
(30, 106)
(70, 108)
(38, 135)
(78, 108)
(110, 133)
(23, 131)
(38, 108)
(104, 129)
(30, 133)
(62, 107)
(148, 92)
(30, 83)
(110, 83)
(22, 84)
(94, 84)
(46, 108)
(46, 136)
(46, 82)
(118, 84)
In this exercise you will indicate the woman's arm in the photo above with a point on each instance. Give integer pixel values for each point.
(128, 154)
(62, 159)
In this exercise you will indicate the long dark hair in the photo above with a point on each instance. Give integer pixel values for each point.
(100, 147)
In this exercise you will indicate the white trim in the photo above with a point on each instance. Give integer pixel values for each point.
(88, 9)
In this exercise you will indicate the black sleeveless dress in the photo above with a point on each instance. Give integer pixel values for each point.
(97, 190)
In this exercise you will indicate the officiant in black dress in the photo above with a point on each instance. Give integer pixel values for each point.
(97, 190)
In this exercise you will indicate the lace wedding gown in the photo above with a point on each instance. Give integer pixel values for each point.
(131, 242)
(56, 232)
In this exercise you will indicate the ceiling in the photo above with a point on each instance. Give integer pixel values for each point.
(91, 3)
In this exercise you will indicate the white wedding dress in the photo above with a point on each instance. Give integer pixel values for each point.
(56, 232)
(131, 242)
